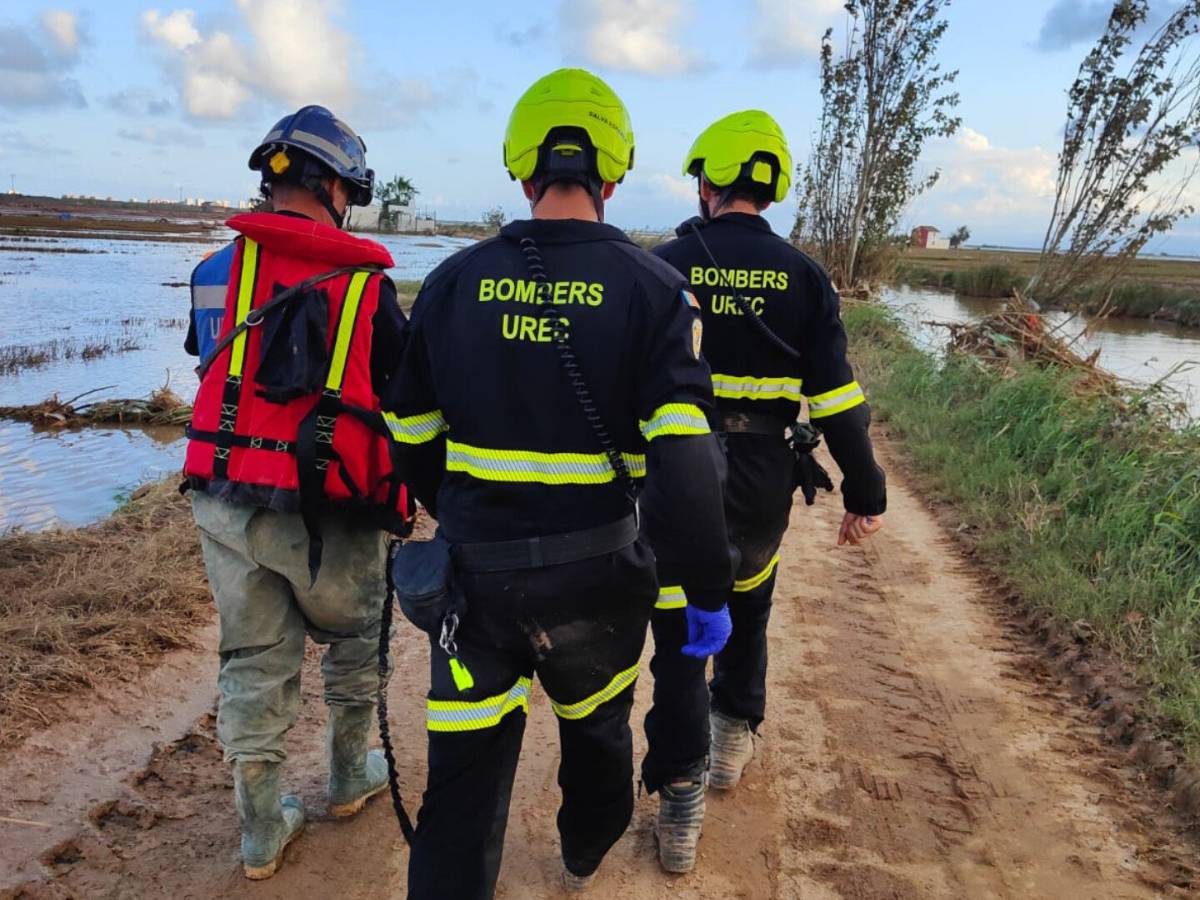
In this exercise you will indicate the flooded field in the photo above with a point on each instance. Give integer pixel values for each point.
(1137, 350)
(120, 293)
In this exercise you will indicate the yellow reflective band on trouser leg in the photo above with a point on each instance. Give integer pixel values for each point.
(838, 400)
(464, 715)
(245, 298)
(589, 705)
(671, 597)
(749, 584)
(346, 321)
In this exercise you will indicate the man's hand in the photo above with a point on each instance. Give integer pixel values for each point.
(855, 528)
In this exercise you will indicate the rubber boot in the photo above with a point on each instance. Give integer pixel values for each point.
(355, 775)
(680, 819)
(269, 822)
(731, 749)
(576, 884)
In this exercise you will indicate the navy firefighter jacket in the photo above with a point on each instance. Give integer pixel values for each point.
(495, 441)
(794, 297)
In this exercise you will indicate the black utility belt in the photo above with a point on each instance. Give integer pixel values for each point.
(546, 550)
(752, 423)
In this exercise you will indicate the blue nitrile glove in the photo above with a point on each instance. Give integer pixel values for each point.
(707, 630)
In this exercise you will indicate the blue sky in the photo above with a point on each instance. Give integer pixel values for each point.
(141, 99)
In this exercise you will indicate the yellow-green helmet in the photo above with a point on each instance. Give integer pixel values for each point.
(726, 150)
(569, 98)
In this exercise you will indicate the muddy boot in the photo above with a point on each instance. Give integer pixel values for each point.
(576, 884)
(680, 818)
(269, 823)
(731, 749)
(355, 775)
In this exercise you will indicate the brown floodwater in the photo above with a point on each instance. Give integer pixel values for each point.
(1138, 350)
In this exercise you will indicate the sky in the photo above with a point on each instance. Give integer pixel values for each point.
(137, 99)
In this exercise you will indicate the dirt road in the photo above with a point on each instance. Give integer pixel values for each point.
(914, 749)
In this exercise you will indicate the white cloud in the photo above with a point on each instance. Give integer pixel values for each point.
(176, 29)
(629, 35)
(982, 184)
(788, 32)
(34, 67)
(269, 56)
(63, 27)
(673, 186)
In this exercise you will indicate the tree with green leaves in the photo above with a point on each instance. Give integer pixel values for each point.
(882, 98)
(960, 237)
(1122, 171)
(397, 192)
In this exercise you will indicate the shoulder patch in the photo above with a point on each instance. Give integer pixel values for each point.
(690, 299)
(697, 337)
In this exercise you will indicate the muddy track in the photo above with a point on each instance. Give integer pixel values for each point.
(915, 748)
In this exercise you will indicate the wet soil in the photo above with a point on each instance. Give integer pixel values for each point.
(917, 746)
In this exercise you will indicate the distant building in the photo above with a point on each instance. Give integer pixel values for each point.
(927, 237)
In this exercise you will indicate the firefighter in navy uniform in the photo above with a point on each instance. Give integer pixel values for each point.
(291, 469)
(547, 552)
(742, 164)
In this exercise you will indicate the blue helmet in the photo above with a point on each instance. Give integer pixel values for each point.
(327, 139)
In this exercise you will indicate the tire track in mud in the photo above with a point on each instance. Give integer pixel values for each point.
(914, 748)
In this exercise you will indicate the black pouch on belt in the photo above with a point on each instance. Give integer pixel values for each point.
(423, 575)
(294, 354)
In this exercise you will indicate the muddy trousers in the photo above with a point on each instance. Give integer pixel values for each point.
(257, 565)
(758, 503)
(580, 629)
(677, 731)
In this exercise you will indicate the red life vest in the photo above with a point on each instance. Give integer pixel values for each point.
(328, 446)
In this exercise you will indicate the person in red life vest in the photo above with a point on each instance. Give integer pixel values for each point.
(292, 474)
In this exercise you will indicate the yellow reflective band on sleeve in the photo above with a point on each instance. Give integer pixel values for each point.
(671, 597)
(747, 387)
(527, 466)
(416, 429)
(674, 418)
(589, 705)
(462, 715)
(749, 584)
(237, 354)
(838, 400)
(341, 344)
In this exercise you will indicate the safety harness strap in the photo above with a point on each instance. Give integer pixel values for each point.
(314, 441)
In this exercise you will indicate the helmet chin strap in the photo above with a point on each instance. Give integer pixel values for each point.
(322, 195)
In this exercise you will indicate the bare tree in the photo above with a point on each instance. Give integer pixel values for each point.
(1129, 118)
(882, 99)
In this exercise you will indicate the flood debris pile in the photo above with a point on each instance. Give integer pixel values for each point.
(89, 604)
(163, 407)
(1019, 333)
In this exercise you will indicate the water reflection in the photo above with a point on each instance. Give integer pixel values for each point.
(1135, 349)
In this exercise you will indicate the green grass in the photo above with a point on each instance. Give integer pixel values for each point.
(1152, 288)
(1089, 506)
(981, 281)
(406, 292)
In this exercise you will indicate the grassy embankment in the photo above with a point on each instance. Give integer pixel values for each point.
(1089, 505)
(1152, 288)
(86, 605)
